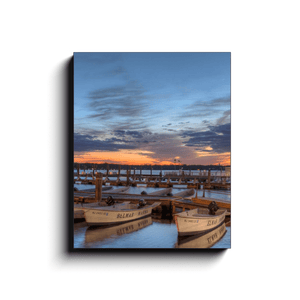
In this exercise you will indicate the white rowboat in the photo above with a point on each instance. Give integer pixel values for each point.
(117, 214)
(198, 220)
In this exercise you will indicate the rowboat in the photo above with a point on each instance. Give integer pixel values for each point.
(79, 208)
(117, 214)
(204, 240)
(198, 220)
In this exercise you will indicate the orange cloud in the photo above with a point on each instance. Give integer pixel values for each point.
(129, 157)
(142, 157)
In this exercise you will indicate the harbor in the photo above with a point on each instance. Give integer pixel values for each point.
(180, 193)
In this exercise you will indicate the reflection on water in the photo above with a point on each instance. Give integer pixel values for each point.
(98, 234)
(202, 240)
(146, 233)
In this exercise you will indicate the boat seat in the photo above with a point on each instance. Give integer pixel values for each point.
(200, 215)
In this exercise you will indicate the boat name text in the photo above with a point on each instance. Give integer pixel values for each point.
(125, 215)
(212, 222)
(140, 213)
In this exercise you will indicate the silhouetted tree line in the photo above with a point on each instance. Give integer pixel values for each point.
(148, 167)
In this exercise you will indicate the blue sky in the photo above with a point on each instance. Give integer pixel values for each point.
(155, 105)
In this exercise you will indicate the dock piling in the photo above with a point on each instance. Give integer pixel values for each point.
(98, 194)
(127, 178)
(78, 176)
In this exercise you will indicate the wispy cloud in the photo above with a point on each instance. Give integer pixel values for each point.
(217, 137)
(89, 143)
(206, 109)
(121, 101)
(224, 119)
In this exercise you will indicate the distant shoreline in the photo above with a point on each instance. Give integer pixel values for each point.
(148, 167)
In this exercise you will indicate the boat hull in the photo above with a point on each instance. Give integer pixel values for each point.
(102, 217)
(192, 225)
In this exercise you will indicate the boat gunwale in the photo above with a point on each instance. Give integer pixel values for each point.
(199, 217)
(116, 209)
(111, 224)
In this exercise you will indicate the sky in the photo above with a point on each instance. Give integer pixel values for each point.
(152, 108)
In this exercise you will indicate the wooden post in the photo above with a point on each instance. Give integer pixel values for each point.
(127, 177)
(78, 167)
(208, 178)
(98, 195)
(107, 170)
(151, 171)
(119, 171)
(203, 191)
(173, 209)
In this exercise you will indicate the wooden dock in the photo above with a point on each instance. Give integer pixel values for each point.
(169, 202)
(202, 178)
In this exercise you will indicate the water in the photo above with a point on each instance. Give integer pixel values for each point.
(149, 232)
(222, 195)
(143, 233)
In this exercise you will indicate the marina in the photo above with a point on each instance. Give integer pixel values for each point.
(167, 205)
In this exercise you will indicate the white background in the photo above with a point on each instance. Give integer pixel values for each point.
(37, 39)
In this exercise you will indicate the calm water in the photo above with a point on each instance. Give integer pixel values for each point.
(143, 233)
(218, 194)
(149, 232)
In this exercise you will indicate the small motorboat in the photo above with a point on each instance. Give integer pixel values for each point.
(199, 220)
(117, 213)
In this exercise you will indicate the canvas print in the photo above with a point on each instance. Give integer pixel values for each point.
(152, 150)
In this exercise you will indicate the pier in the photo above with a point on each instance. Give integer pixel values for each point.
(171, 202)
(196, 180)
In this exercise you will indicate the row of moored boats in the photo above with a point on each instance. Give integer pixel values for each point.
(190, 222)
